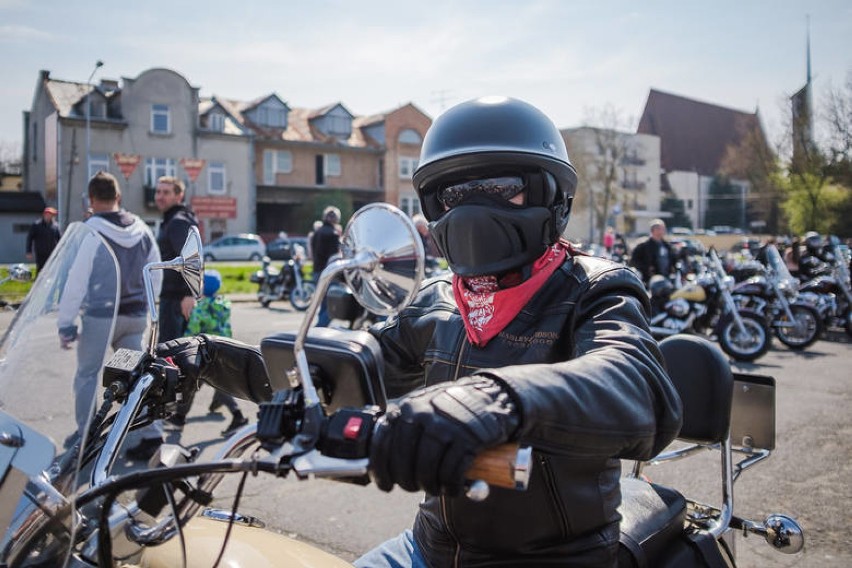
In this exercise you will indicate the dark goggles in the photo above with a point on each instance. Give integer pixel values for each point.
(505, 187)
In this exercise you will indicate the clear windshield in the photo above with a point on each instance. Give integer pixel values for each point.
(778, 268)
(51, 358)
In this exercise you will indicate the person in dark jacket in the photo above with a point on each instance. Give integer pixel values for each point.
(654, 255)
(43, 237)
(176, 299)
(526, 341)
(325, 243)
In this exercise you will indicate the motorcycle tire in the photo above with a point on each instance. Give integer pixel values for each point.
(263, 295)
(301, 297)
(753, 346)
(806, 333)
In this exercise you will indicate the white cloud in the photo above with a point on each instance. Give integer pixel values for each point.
(22, 34)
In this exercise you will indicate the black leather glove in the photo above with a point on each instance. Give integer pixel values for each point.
(225, 364)
(428, 439)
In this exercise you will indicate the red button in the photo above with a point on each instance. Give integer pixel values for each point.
(353, 426)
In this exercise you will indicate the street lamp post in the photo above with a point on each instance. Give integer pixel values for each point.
(98, 65)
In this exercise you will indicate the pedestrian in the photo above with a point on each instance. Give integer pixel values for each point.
(654, 255)
(43, 236)
(526, 341)
(212, 315)
(133, 244)
(609, 239)
(176, 299)
(325, 243)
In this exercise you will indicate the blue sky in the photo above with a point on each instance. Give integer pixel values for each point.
(567, 57)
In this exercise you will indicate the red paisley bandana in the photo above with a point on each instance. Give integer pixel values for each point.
(487, 306)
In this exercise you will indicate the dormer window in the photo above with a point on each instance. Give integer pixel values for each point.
(270, 116)
(216, 122)
(410, 136)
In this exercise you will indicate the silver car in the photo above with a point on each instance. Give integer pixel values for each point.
(245, 246)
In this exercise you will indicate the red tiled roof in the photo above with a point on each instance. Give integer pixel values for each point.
(694, 135)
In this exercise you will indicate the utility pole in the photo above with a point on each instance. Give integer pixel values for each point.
(98, 65)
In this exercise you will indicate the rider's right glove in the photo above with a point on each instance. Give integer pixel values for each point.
(225, 364)
(428, 439)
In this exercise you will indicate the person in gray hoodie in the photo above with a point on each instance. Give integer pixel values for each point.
(134, 246)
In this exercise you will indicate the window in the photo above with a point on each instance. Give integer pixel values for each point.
(160, 119)
(35, 142)
(409, 136)
(269, 116)
(155, 168)
(339, 125)
(97, 163)
(216, 177)
(407, 166)
(409, 204)
(216, 122)
(275, 162)
(332, 164)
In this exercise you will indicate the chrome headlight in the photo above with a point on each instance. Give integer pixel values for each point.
(728, 283)
(678, 308)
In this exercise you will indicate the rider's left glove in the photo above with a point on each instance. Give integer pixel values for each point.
(225, 364)
(428, 439)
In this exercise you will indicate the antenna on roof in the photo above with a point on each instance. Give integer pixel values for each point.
(441, 97)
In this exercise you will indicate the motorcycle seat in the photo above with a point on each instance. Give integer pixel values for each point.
(651, 517)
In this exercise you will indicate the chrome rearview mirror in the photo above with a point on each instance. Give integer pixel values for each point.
(382, 259)
(190, 264)
(389, 283)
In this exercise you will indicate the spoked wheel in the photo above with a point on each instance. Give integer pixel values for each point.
(301, 296)
(749, 344)
(805, 329)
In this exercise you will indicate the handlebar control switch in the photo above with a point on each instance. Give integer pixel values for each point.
(279, 419)
(346, 433)
(125, 366)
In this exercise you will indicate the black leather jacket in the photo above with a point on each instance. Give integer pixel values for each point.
(591, 387)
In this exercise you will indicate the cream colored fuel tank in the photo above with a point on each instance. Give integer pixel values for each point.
(248, 547)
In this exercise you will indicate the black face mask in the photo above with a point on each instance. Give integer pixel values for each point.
(489, 236)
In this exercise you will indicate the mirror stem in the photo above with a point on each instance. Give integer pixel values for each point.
(313, 411)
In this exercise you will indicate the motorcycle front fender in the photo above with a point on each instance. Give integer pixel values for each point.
(247, 547)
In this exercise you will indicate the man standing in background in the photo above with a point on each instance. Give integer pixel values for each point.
(654, 255)
(176, 299)
(43, 237)
(325, 243)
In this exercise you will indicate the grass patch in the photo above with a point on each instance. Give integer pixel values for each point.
(13, 292)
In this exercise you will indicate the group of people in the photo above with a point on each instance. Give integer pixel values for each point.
(133, 245)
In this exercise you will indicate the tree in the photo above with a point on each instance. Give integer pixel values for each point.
(753, 160)
(812, 202)
(676, 207)
(599, 150)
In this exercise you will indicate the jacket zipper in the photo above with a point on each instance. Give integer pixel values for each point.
(444, 514)
(551, 486)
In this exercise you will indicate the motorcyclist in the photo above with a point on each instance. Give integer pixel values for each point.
(526, 341)
(816, 259)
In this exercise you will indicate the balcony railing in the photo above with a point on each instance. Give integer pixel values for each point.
(633, 184)
(632, 160)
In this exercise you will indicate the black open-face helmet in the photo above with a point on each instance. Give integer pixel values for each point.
(489, 138)
(493, 135)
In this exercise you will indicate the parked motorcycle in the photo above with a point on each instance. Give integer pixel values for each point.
(76, 510)
(17, 273)
(830, 293)
(774, 294)
(705, 306)
(288, 282)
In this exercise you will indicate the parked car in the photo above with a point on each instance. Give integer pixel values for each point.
(244, 246)
(283, 248)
